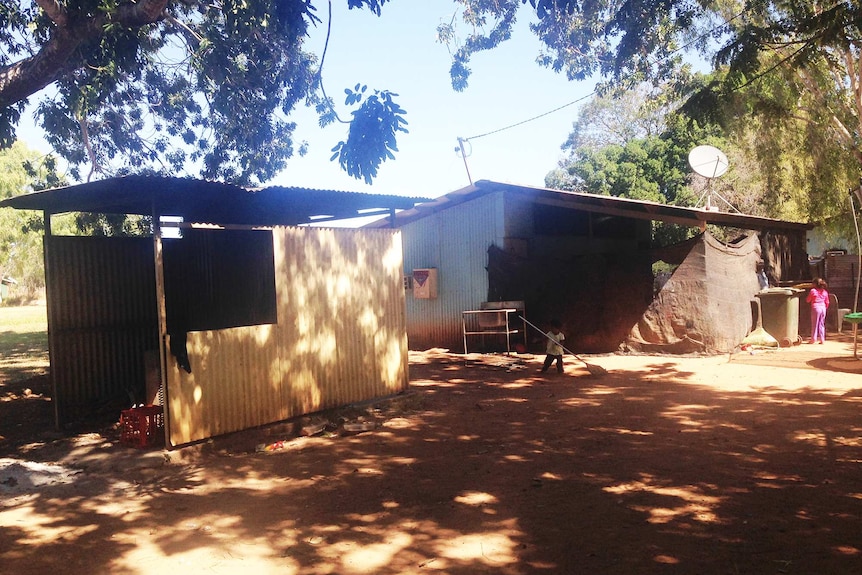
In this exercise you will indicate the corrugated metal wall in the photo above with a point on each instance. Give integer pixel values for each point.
(340, 338)
(455, 241)
(101, 319)
(840, 273)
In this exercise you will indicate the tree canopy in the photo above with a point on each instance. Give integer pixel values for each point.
(779, 60)
(633, 147)
(175, 84)
(791, 60)
(166, 84)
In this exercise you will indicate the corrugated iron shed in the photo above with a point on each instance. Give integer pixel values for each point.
(108, 316)
(584, 238)
(200, 201)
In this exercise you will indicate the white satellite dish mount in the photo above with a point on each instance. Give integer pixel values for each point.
(711, 163)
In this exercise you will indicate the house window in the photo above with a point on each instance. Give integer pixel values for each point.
(216, 279)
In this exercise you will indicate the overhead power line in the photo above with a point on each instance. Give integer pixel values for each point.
(684, 47)
(462, 141)
(557, 109)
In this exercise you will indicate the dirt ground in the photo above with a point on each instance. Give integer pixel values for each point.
(747, 463)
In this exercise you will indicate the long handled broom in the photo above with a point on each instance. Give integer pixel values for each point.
(593, 369)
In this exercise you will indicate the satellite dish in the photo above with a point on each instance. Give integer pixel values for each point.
(708, 161)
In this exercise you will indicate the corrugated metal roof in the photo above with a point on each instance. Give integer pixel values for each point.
(609, 205)
(201, 201)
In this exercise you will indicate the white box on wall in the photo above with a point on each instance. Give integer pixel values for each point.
(425, 283)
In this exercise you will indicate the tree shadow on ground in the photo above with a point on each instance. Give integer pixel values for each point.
(486, 467)
(25, 355)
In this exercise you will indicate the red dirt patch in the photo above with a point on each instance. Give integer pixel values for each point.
(724, 464)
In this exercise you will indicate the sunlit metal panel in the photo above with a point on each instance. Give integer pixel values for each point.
(455, 242)
(340, 338)
(232, 385)
(341, 307)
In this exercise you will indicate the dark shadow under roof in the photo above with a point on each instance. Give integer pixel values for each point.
(200, 201)
(608, 205)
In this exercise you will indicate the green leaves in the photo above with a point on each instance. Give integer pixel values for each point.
(625, 42)
(371, 139)
(24, 170)
(207, 87)
(354, 96)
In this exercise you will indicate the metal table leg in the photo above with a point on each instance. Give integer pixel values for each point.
(854, 318)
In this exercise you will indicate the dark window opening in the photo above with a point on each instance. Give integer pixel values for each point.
(614, 227)
(216, 279)
(556, 221)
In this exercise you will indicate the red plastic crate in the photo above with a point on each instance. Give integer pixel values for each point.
(142, 426)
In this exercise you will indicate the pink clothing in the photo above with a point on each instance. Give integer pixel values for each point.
(818, 296)
(819, 300)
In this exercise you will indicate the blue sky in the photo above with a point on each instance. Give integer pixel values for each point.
(398, 52)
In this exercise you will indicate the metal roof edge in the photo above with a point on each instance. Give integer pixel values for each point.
(658, 211)
(143, 194)
(626, 207)
(432, 206)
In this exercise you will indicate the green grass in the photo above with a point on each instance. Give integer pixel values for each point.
(23, 342)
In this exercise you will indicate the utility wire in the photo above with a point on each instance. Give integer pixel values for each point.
(593, 93)
(557, 109)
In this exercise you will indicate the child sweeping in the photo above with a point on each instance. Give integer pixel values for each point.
(554, 349)
(557, 338)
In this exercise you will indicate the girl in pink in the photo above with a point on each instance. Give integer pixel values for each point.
(818, 297)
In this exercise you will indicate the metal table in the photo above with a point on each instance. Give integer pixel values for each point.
(492, 322)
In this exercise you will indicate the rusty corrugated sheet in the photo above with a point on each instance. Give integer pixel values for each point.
(101, 320)
(340, 338)
(455, 242)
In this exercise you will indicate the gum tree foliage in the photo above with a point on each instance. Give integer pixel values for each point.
(168, 84)
(797, 166)
(794, 71)
(795, 59)
(24, 170)
(790, 68)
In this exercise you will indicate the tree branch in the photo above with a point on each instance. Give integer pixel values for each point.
(59, 55)
(854, 75)
(137, 14)
(85, 136)
(54, 11)
(320, 69)
(192, 37)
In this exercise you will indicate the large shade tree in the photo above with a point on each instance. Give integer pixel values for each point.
(780, 61)
(166, 84)
(794, 74)
(171, 83)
